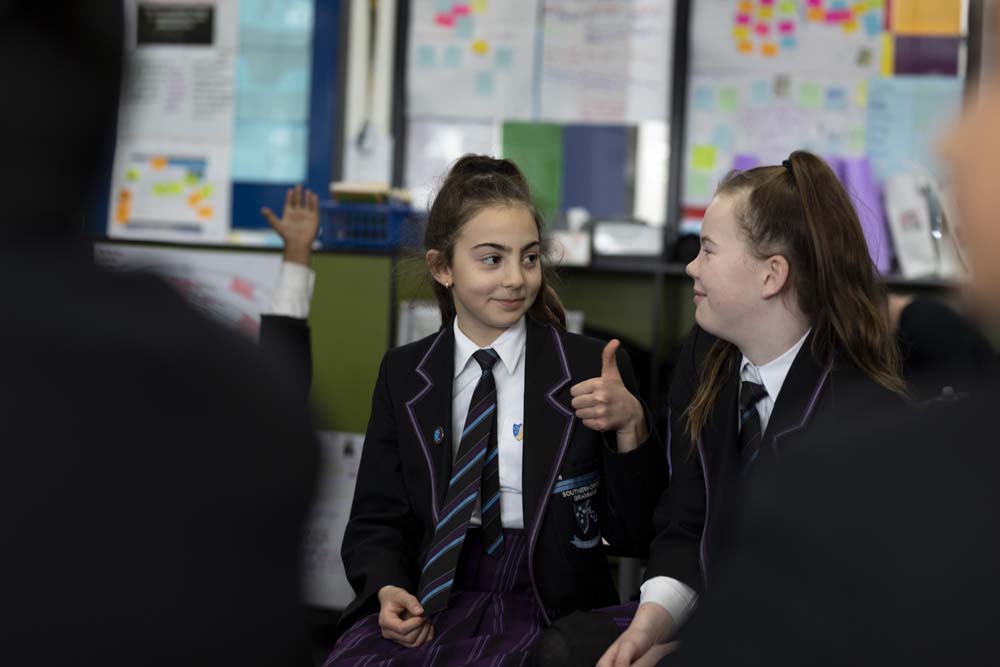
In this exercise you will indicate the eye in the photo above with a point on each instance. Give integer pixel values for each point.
(491, 260)
(530, 259)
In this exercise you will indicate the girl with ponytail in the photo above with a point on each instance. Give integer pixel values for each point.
(502, 455)
(791, 336)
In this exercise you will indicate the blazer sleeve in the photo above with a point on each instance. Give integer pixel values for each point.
(679, 518)
(634, 482)
(287, 340)
(382, 539)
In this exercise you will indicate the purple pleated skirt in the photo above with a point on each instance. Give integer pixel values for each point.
(492, 618)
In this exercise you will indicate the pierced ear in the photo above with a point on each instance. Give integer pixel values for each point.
(439, 268)
(776, 277)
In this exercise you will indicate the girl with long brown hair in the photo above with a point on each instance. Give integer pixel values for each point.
(501, 453)
(791, 334)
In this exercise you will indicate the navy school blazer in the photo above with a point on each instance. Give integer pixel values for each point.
(570, 474)
(695, 518)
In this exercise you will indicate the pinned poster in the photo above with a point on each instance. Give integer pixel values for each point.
(927, 17)
(736, 120)
(606, 62)
(234, 288)
(906, 115)
(814, 36)
(537, 148)
(472, 61)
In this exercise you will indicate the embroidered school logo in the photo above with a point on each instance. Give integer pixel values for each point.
(581, 490)
(519, 432)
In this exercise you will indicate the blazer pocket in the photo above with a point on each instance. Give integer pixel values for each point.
(577, 504)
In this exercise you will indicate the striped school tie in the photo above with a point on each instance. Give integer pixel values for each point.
(474, 472)
(751, 393)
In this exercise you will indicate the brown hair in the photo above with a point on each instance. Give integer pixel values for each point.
(474, 183)
(801, 210)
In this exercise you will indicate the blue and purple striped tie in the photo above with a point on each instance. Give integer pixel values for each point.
(475, 473)
(751, 393)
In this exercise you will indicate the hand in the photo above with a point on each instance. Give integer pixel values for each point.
(298, 224)
(401, 618)
(647, 634)
(605, 404)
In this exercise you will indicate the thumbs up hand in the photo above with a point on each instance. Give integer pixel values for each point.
(604, 404)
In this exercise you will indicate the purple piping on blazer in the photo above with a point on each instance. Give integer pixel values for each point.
(570, 421)
(812, 404)
(416, 426)
(670, 440)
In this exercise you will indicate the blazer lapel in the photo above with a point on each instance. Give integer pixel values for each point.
(799, 395)
(548, 418)
(430, 413)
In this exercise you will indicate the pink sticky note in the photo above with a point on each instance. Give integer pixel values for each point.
(445, 20)
(838, 16)
(241, 287)
(743, 19)
(763, 29)
(786, 27)
(766, 3)
(461, 10)
(815, 3)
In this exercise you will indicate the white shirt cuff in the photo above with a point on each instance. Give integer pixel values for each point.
(677, 598)
(293, 292)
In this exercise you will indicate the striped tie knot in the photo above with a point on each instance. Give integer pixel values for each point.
(486, 358)
(751, 393)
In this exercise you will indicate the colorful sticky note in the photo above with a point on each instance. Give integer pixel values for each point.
(484, 83)
(767, 3)
(836, 98)
(743, 19)
(816, 14)
(787, 7)
(505, 57)
(479, 6)
(765, 12)
(704, 99)
(132, 174)
(861, 94)
(426, 57)
(744, 6)
(769, 49)
(445, 20)
(205, 212)
(453, 57)
(839, 16)
(207, 191)
(851, 26)
(460, 10)
(810, 95)
(463, 27)
(814, 3)
(703, 158)
(927, 17)
(723, 137)
(699, 185)
(729, 99)
(789, 43)
(760, 92)
(480, 47)
(763, 29)
(786, 27)
(873, 24)
(158, 162)
(241, 287)
(745, 46)
(168, 189)
(741, 32)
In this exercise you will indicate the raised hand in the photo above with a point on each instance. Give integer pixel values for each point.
(298, 223)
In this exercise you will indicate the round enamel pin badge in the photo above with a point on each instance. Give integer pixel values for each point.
(438, 435)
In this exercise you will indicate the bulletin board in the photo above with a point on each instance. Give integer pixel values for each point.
(866, 84)
(226, 104)
(564, 88)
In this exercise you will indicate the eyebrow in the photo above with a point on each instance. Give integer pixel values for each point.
(707, 239)
(504, 248)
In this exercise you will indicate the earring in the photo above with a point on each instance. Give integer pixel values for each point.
(447, 285)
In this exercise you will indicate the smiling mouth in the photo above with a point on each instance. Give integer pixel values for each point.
(511, 302)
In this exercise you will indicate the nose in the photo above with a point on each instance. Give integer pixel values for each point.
(513, 278)
(692, 268)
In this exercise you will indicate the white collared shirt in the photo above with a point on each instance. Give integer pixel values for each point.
(293, 290)
(676, 597)
(772, 375)
(508, 373)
